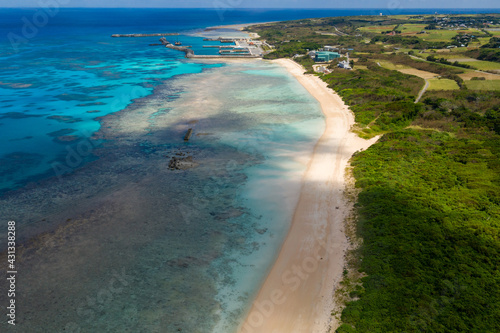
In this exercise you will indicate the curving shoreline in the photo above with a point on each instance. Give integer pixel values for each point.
(297, 294)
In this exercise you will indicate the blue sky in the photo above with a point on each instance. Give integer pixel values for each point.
(259, 3)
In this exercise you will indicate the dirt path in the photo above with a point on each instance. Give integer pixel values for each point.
(422, 92)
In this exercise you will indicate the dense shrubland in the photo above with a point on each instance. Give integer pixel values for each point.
(429, 206)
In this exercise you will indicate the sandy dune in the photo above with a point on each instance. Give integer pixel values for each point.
(297, 294)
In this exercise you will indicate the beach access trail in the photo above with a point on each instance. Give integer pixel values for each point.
(297, 294)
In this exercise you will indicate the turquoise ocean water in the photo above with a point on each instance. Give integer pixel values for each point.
(109, 238)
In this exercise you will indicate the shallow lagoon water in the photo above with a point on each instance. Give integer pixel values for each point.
(111, 239)
(190, 246)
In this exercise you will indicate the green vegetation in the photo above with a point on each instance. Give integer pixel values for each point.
(429, 201)
(378, 28)
(412, 28)
(443, 84)
(390, 65)
(485, 54)
(411, 41)
(493, 43)
(429, 216)
(439, 35)
(426, 66)
(485, 65)
(483, 85)
(292, 48)
(381, 99)
(446, 62)
(495, 33)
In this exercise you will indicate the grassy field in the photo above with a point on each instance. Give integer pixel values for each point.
(439, 35)
(483, 85)
(447, 55)
(411, 28)
(377, 28)
(442, 84)
(454, 50)
(390, 65)
(457, 55)
(484, 65)
(476, 64)
(495, 33)
(445, 35)
(482, 41)
(360, 67)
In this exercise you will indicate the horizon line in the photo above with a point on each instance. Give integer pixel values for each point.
(281, 8)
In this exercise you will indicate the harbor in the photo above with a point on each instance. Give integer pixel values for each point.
(240, 48)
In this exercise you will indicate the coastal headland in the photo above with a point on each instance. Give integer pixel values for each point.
(296, 296)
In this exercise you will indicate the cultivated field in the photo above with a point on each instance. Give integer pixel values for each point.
(438, 35)
(443, 84)
(495, 32)
(483, 85)
(411, 28)
(377, 28)
(418, 72)
(483, 65)
(469, 74)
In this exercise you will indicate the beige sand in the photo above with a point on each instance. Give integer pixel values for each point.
(297, 294)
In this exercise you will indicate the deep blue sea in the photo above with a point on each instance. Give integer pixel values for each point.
(111, 239)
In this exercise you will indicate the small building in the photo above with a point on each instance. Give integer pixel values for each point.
(330, 48)
(321, 69)
(344, 64)
(326, 56)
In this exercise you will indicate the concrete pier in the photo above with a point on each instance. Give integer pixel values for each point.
(228, 54)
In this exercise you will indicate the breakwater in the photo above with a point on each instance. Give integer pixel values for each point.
(184, 49)
(144, 35)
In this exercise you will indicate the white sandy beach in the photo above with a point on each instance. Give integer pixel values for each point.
(297, 294)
